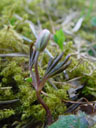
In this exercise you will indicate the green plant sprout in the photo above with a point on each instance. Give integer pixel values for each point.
(54, 67)
(59, 38)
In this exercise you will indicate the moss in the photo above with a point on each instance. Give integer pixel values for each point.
(90, 84)
(12, 41)
(13, 74)
(54, 99)
(88, 36)
(82, 70)
(5, 113)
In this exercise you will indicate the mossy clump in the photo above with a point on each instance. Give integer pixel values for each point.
(84, 69)
(88, 36)
(11, 41)
(5, 113)
(13, 75)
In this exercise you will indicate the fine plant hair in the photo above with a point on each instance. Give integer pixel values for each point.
(54, 67)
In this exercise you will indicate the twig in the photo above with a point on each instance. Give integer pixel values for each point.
(76, 78)
(8, 102)
(4, 88)
(13, 55)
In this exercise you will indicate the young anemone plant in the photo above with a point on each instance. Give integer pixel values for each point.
(54, 67)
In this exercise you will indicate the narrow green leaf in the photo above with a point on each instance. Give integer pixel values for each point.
(28, 79)
(59, 38)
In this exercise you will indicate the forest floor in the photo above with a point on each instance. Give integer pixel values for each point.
(72, 24)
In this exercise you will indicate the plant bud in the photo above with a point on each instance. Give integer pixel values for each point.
(42, 40)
